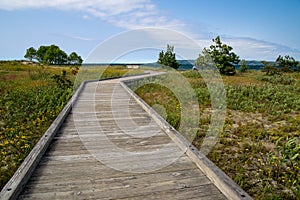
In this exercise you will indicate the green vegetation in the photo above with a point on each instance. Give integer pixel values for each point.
(281, 64)
(279, 79)
(286, 63)
(243, 67)
(222, 56)
(270, 68)
(168, 58)
(157, 94)
(52, 55)
(31, 98)
(259, 144)
(118, 71)
(104, 72)
(30, 54)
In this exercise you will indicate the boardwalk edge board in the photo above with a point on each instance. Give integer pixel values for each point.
(225, 184)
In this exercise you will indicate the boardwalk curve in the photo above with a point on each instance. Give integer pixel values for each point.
(79, 157)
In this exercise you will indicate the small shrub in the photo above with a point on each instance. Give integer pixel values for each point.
(279, 79)
(279, 170)
(62, 79)
(243, 67)
(270, 69)
(191, 74)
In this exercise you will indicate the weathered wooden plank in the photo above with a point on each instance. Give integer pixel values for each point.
(109, 133)
(79, 148)
(158, 141)
(73, 133)
(199, 193)
(96, 172)
(134, 180)
(107, 117)
(158, 138)
(171, 194)
(81, 160)
(128, 188)
(207, 192)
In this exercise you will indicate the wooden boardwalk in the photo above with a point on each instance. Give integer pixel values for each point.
(109, 147)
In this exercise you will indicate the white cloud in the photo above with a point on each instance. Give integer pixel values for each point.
(81, 38)
(250, 48)
(75, 37)
(129, 14)
(253, 49)
(86, 17)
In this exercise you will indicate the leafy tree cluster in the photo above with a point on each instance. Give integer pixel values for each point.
(282, 64)
(168, 58)
(286, 63)
(52, 55)
(222, 56)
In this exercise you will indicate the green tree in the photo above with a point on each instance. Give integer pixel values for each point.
(204, 61)
(40, 53)
(223, 56)
(243, 67)
(168, 58)
(74, 59)
(55, 56)
(30, 54)
(286, 63)
(161, 57)
(269, 68)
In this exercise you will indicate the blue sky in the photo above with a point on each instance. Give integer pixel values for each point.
(256, 29)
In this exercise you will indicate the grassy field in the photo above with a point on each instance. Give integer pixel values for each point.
(31, 98)
(259, 144)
